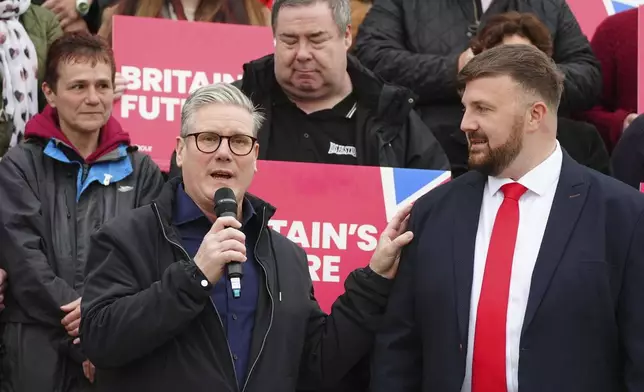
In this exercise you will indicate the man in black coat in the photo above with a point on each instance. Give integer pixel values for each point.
(422, 45)
(159, 311)
(322, 106)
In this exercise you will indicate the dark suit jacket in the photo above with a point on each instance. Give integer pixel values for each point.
(584, 324)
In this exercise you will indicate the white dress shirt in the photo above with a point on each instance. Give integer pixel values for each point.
(485, 4)
(534, 209)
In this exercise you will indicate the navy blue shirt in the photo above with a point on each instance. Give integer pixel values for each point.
(237, 314)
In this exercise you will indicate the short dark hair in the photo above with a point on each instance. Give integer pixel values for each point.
(74, 47)
(528, 66)
(511, 23)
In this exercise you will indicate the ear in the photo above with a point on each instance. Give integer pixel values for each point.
(537, 115)
(180, 150)
(256, 154)
(49, 94)
(348, 38)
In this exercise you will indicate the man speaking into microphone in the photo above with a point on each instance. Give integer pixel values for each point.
(163, 312)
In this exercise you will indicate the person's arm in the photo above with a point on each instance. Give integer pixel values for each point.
(575, 58)
(34, 285)
(337, 342)
(608, 119)
(380, 46)
(630, 317)
(122, 321)
(397, 359)
(53, 29)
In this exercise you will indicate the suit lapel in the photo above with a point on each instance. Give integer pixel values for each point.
(568, 202)
(469, 199)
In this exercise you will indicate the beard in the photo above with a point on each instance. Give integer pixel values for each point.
(492, 161)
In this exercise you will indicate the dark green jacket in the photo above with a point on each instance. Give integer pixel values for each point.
(43, 28)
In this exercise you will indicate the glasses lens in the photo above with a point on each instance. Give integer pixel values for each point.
(241, 144)
(208, 142)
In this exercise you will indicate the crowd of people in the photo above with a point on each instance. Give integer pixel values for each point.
(521, 273)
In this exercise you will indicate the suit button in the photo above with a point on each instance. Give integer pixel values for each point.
(235, 357)
(234, 316)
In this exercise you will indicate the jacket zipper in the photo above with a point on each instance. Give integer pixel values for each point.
(230, 353)
(270, 295)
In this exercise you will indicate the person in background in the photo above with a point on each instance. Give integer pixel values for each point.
(321, 104)
(26, 32)
(159, 312)
(615, 44)
(244, 12)
(628, 156)
(74, 171)
(525, 274)
(423, 44)
(580, 139)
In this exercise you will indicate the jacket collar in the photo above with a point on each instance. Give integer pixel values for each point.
(167, 197)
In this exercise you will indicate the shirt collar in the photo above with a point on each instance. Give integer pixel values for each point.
(537, 180)
(187, 211)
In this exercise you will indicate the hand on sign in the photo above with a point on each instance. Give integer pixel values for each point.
(386, 257)
(3, 286)
(223, 243)
(120, 85)
(71, 321)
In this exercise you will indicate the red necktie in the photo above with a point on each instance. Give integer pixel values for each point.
(488, 364)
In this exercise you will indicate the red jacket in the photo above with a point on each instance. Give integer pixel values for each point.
(615, 45)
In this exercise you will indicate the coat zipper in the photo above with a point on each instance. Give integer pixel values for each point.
(230, 353)
(270, 295)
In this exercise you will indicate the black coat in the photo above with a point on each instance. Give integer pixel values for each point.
(584, 144)
(148, 325)
(44, 231)
(416, 44)
(628, 155)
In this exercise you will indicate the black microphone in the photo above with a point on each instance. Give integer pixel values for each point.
(226, 205)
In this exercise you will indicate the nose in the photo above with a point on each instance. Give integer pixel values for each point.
(303, 52)
(468, 123)
(92, 96)
(223, 153)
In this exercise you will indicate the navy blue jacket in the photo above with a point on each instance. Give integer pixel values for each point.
(584, 323)
(628, 155)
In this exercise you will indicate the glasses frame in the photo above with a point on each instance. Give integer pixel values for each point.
(221, 138)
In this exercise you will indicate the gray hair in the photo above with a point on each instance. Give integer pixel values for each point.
(341, 10)
(222, 93)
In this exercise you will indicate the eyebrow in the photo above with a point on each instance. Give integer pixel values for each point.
(311, 35)
(86, 81)
(479, 102)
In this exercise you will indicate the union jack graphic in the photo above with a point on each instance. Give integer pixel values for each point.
(403, 186)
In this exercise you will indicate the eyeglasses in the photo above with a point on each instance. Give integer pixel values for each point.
(209, 142)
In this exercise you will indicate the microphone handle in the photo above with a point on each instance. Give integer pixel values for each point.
(234, 270)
